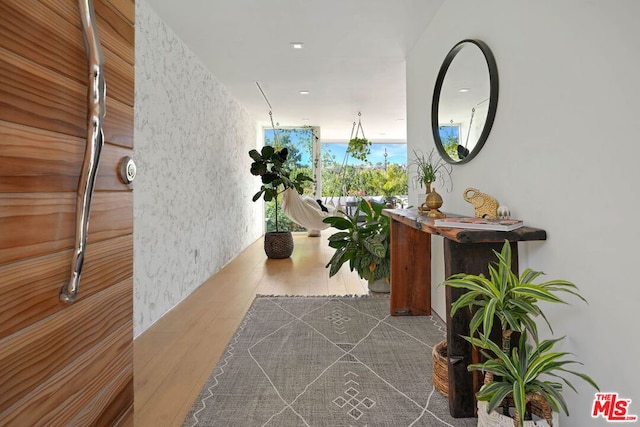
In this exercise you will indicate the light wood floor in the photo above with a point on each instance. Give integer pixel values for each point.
(174, 357)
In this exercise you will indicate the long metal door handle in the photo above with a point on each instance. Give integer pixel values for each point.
(95, 139)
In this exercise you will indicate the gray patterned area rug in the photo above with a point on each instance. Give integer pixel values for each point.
(325, 361)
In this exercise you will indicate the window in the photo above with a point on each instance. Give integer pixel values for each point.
(450, 137)
(383, 174)
(299, 143)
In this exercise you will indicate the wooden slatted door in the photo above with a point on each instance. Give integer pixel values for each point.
(64, 364)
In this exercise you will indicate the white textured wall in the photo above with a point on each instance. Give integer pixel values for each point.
(192, 206)
(563, 154)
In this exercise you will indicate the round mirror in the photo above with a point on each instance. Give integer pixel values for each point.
(464, 101)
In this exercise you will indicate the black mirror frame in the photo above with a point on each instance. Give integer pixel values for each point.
(493, 99)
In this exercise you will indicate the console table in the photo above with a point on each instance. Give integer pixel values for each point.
(465, 251)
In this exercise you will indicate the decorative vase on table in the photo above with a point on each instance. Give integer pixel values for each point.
(432, 203)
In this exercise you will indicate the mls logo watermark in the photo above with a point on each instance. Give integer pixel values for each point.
(612, 408)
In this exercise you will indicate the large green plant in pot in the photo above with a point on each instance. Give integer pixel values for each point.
(520, 377)
(364, 243)
(507, 297)
(270, 165)
(513, 300)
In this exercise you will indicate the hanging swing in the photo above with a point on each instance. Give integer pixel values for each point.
(306, 211)
(302, 209)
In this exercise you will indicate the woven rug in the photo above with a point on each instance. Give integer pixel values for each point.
(326, 361)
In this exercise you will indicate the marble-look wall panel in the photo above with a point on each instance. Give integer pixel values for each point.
(192, 196)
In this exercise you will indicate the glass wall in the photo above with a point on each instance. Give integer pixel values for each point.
(299, 143)
(383, 174)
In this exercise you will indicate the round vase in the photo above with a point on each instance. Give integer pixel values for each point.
(432, 203)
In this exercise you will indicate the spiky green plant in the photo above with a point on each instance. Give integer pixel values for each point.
(510, 298)
(430, 167)
(519, 373)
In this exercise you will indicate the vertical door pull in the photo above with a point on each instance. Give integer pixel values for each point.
(95, 114)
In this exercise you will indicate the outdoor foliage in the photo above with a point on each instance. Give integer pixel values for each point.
(282, 138)
(284, 222)
(353, 180)
(450, 143)
(364, 181)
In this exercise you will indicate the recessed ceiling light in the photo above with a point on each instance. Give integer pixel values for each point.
(463, 89)
(296, 45)
(304, 92)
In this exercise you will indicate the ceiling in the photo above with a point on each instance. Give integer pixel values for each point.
(353, 59)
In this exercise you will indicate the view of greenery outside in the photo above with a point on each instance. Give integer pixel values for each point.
(363, 180)
(384, 178)
(450, 137)
(299, 142)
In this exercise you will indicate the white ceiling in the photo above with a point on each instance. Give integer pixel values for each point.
(353, 58)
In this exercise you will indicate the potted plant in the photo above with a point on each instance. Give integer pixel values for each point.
(510, 298)
(359, 148)
(516, 377)
(513, 301)
(365, 245)
(429, 169)
(270, 165)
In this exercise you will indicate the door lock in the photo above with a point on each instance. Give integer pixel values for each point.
(127, 170)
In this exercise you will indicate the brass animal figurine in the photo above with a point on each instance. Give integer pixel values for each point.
(485, 205)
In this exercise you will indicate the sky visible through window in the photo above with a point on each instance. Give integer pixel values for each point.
(396, 153)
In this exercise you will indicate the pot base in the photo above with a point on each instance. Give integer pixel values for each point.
(278, 244)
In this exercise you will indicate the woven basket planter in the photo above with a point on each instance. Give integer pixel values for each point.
(543, 415)
(440, 368)
(278, 244)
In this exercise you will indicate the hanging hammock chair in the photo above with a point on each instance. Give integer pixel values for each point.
(306, 211)
(302, 209)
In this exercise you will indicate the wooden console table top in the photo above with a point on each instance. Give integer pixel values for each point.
(413, 218)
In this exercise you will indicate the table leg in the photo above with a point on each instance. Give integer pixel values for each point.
(410, 271)
(470, 258)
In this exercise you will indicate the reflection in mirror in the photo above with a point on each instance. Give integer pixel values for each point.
(464, 101)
